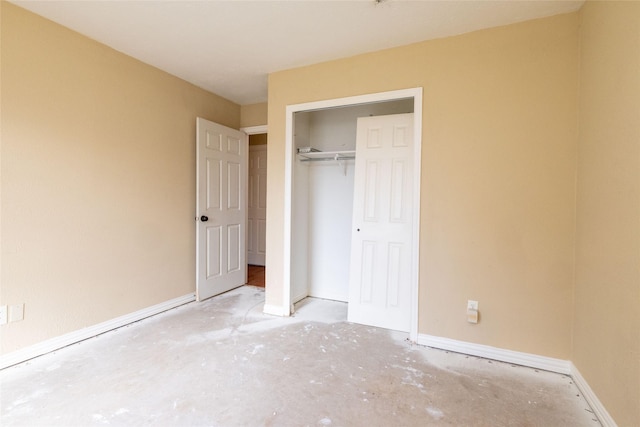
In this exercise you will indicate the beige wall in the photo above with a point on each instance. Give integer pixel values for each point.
(498, 178)
(253, 115)
(606, 345)
(98, 179)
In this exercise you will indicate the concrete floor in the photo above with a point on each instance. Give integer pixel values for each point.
(224, 363)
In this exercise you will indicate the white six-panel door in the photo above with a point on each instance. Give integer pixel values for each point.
(381, 245)
(221, 208)
(257, 222)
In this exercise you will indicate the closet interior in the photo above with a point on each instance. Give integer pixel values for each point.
(322, 197)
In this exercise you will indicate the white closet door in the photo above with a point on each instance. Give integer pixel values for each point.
(381, 245)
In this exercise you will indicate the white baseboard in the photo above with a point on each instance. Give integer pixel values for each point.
(275, 310)
(56, 343)
(494, 353)
(598, 408)
(256, 259)
(525, 359)
(329, 295)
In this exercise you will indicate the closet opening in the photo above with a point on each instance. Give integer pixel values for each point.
(322, 187)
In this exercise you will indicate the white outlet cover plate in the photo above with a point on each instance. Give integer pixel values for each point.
(472, 305)
(16, 312)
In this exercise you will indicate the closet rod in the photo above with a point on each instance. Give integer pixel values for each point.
(327, 159)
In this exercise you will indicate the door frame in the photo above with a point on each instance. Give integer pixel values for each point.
(415, 93)
(254, 130)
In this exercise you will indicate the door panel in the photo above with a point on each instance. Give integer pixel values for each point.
(221, 194)
(380, 286)
(396, 198)
(372, 190)
(234, 257)
(233, 190)
(214, 243)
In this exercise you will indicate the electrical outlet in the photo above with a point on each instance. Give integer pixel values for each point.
(16, 312)
(472, 311)
(3, 315)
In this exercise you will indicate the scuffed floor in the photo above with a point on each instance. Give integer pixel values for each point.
(224, 363)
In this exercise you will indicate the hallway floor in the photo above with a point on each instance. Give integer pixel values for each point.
(255, 275)
(223, 362)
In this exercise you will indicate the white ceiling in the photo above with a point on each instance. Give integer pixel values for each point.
(229, 47)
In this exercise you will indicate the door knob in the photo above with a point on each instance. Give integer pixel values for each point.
(204, 218)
